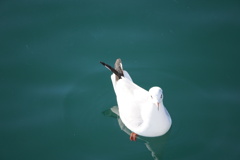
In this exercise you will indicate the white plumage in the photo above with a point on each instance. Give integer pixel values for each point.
(141, 111)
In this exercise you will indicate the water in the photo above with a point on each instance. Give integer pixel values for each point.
(54, 90)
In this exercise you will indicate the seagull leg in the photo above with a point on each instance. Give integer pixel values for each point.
(133, 136)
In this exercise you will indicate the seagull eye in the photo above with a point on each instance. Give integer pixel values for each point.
(161, 96)
(151, 96)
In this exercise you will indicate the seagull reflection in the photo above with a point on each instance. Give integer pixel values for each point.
(154, 144)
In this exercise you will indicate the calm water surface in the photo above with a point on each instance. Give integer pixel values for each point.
(54, 94)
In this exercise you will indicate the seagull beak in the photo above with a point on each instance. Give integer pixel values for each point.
(157, 104)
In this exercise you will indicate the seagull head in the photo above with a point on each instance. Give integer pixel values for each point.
(156, 95)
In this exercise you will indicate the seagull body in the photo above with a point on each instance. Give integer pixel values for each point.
(140, 110)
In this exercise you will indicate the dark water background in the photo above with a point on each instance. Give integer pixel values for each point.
(53, 89)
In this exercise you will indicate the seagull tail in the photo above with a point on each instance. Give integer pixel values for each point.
(118, 71)
(119, 68)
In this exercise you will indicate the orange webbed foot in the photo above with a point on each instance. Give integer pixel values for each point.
(133, 136)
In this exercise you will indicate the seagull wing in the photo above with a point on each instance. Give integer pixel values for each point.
(131, 99)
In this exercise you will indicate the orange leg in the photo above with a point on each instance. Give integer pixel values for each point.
(133, 136)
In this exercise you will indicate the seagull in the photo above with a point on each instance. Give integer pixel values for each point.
(140, 110)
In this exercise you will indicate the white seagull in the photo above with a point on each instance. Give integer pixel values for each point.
(140, 110)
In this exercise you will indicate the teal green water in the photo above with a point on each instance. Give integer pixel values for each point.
(53, 90)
